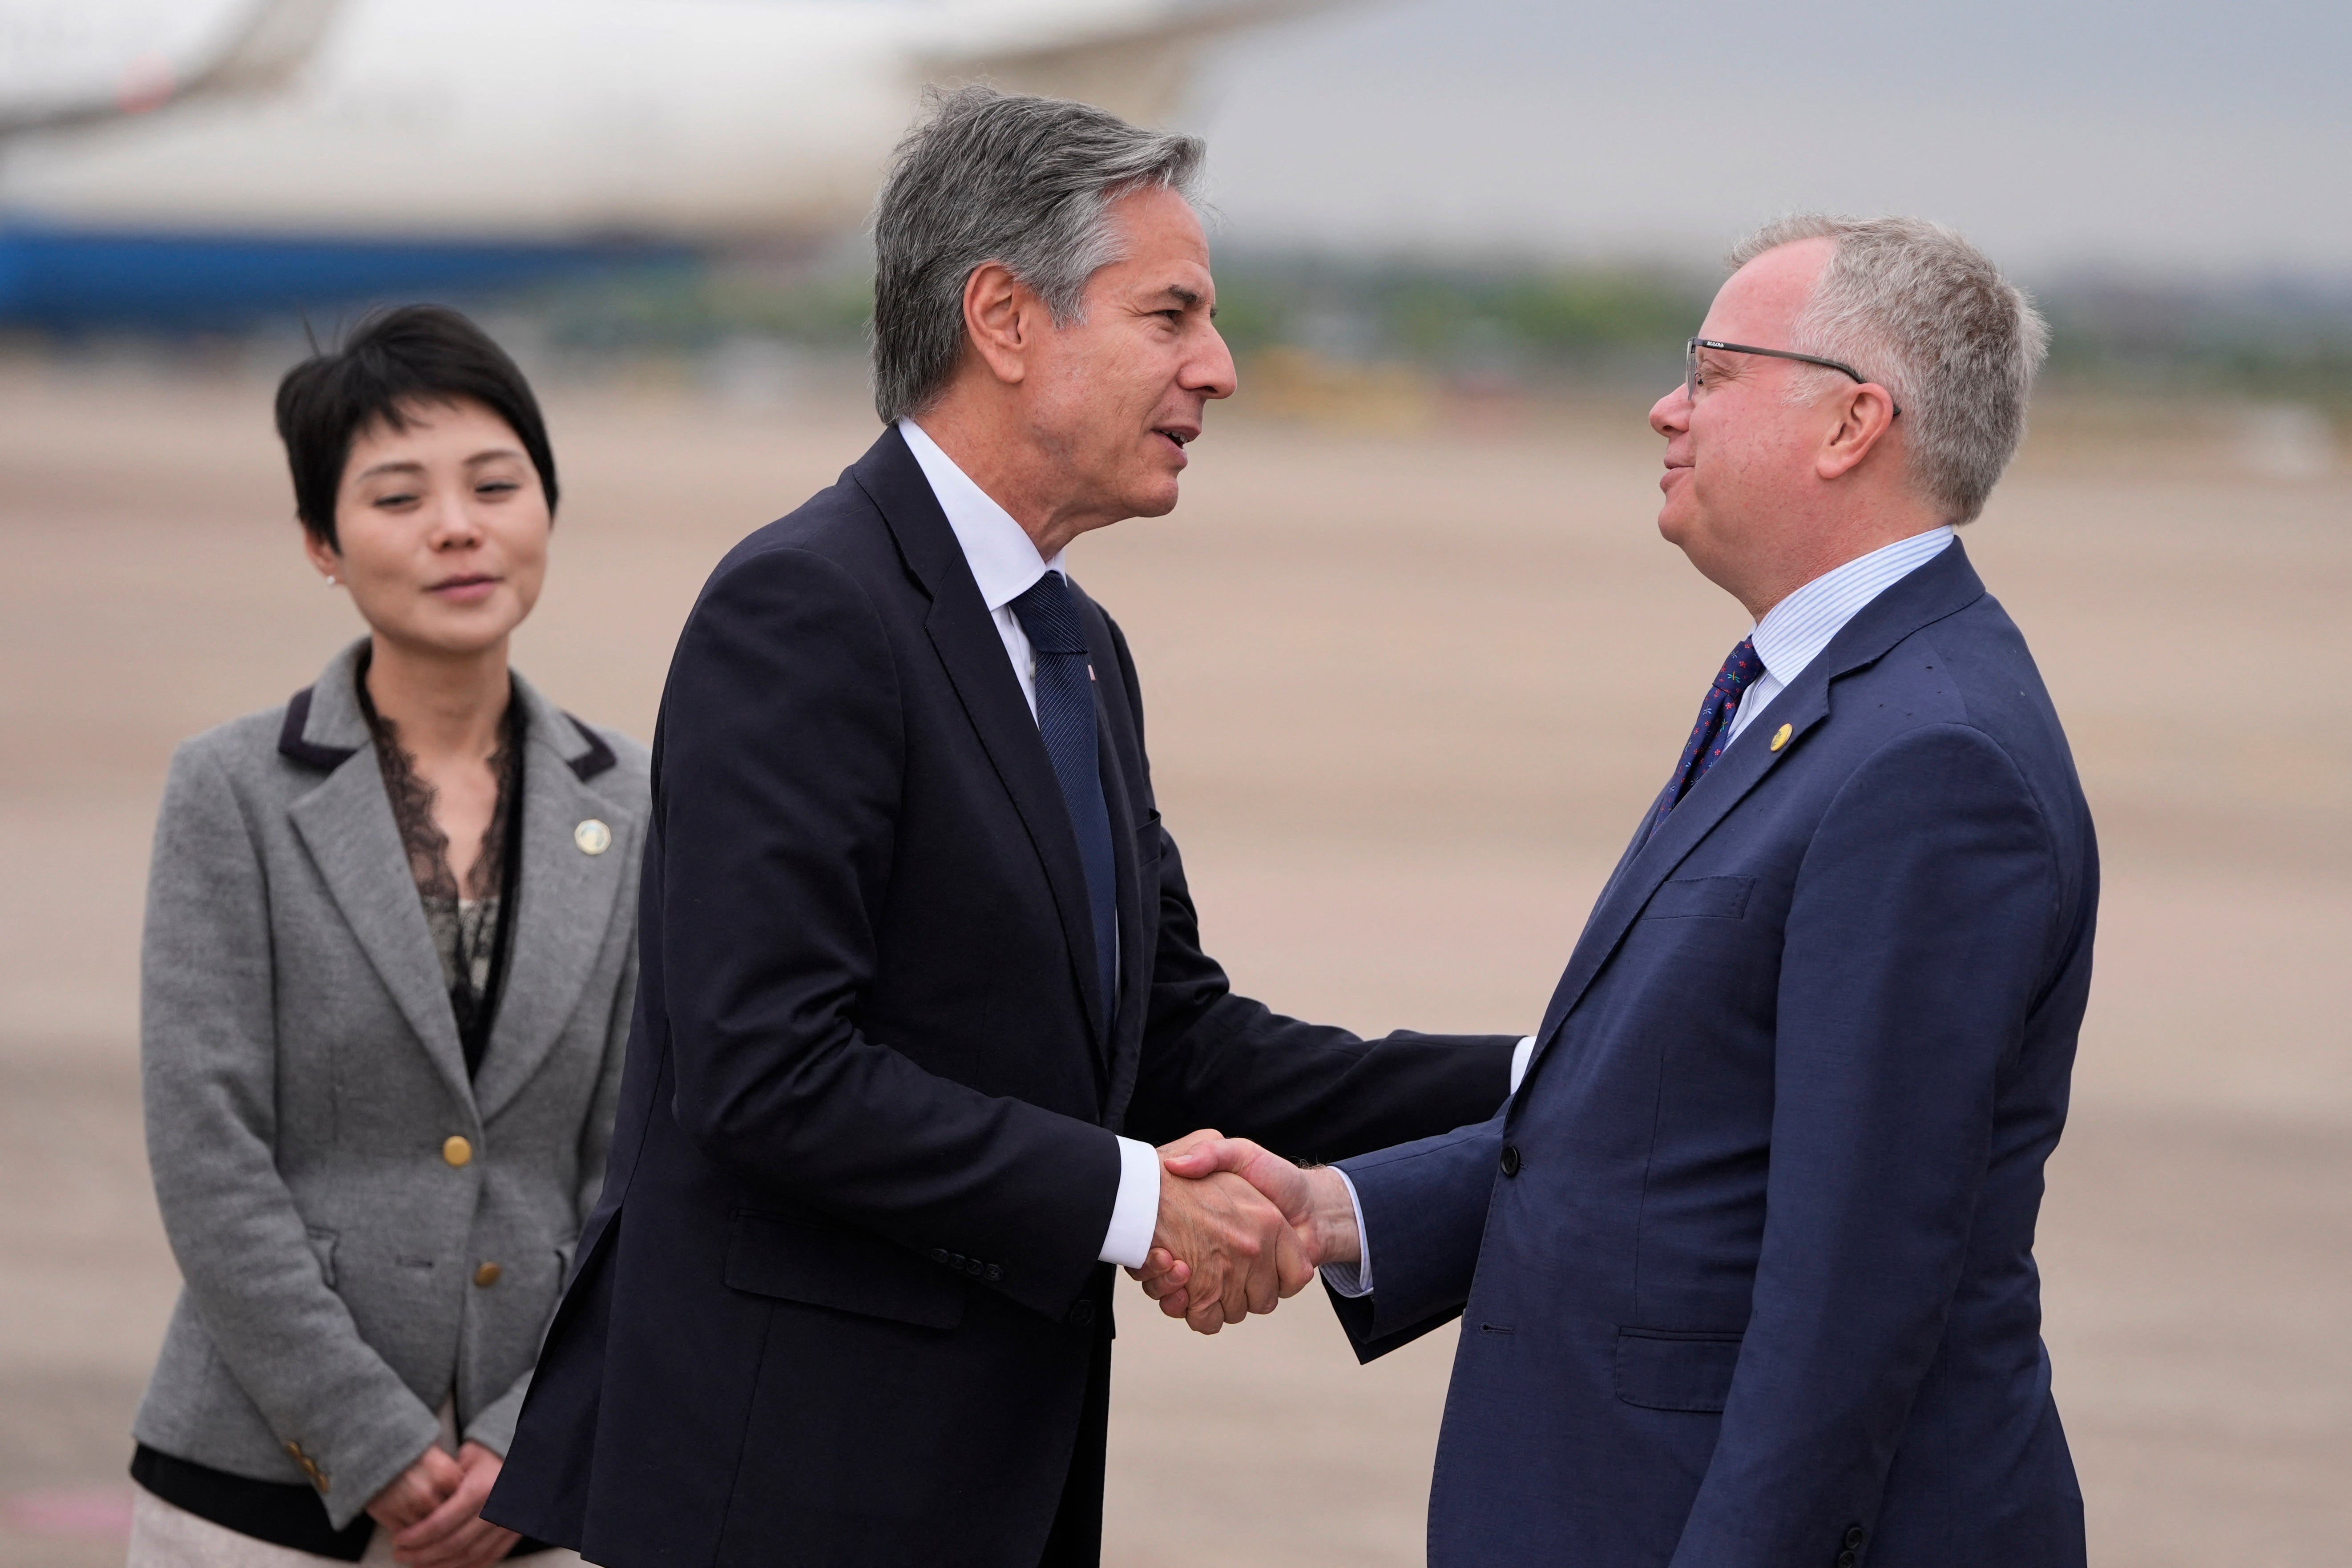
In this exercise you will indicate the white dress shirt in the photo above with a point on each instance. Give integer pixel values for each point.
(1005, 564)
(1790, 635)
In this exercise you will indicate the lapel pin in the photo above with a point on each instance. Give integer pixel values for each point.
(594, 837)
(1779, 739)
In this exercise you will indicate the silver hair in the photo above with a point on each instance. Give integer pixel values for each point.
(1926, 315)
(994, 176)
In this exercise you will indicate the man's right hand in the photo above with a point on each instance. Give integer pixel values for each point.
(1240, 1255)
(1314, 1204)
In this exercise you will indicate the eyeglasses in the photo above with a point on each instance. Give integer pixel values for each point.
(1690, 363)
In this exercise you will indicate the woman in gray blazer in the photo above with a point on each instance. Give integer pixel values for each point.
(390, 957)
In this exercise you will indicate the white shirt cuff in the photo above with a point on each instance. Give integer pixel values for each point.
(1356, 1278)
(1134, 1213)
(1352, 1278)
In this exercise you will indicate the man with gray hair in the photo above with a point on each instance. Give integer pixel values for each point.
(921, 981)
(1745, 1267)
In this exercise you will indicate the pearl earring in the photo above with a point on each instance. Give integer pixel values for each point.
(331, 579)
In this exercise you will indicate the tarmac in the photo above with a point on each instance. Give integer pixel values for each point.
(1408, 690)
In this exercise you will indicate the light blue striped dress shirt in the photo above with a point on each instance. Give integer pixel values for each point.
(1793, 632)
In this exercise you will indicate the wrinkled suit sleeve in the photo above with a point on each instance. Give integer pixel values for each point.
(1311, 1091)
(1425, 1210)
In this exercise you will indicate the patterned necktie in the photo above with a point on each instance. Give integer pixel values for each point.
(1713, 730)
(1048, 613)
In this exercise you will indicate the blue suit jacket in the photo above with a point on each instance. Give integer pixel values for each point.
(1746, 1267)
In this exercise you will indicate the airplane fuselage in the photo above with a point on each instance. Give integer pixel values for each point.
(440, 143)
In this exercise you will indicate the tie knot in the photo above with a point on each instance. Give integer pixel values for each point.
(1048, 613)
(1740, 668)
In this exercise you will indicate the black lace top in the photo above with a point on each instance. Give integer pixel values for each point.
(470, 925)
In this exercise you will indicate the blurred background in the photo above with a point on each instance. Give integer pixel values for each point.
(1414, 655)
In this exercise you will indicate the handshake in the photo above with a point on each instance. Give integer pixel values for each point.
(1241, 1229)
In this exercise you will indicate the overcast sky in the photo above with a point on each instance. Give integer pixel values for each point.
(2159, 135)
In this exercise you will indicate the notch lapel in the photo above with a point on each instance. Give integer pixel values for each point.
(973, 655)
(346, 824)
(567, 897)
(1939, 587)
(1743, 767)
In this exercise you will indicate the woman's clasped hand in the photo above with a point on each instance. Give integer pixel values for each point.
(434, 1511)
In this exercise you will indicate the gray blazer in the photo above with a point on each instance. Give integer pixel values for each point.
(334, 1187)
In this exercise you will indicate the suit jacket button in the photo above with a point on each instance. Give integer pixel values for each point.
(1082, 1315)
(457, 1151)
(939, 1255)
(994, 1273)
(1510, 1159)
(488, 1275)
(1845, 1559)
(1853, 1538)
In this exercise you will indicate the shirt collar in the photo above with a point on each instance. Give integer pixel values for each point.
(1003, 557)
(1794, 631)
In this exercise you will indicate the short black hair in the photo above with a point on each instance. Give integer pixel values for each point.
(391, 361)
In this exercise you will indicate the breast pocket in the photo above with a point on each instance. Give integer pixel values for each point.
(1700, 899)
(847, 1270)
(1667, 1369)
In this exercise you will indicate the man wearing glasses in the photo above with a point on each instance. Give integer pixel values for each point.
(1745, 1266)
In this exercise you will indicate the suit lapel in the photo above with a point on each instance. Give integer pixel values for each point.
(567, 899)
(1710, 801)
(346, 824)
(1938, 588)
(973, 655)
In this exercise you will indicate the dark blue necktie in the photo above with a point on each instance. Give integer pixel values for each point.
(1065, 719)
(1713, 730)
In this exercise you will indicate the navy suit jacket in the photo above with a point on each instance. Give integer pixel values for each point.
(1746, 1267)
(839, 1300)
